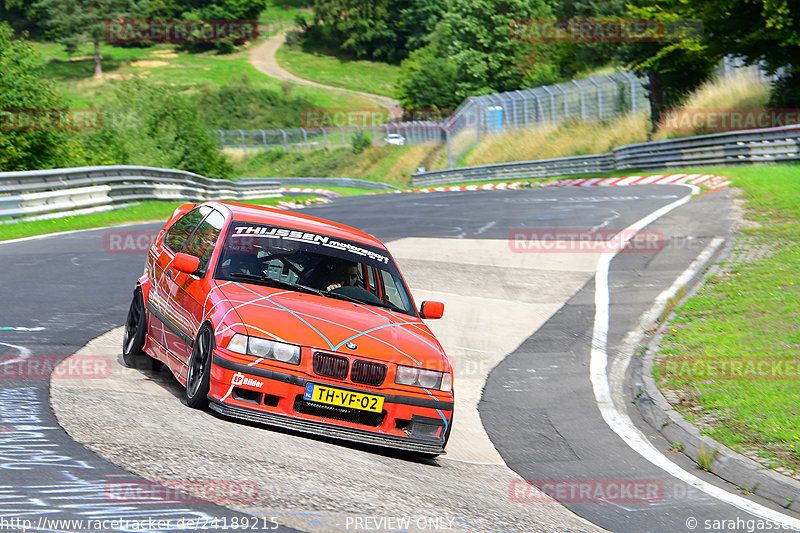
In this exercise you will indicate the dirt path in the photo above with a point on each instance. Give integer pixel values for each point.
(263, 58)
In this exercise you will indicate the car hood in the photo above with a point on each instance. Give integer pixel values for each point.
(329, 324)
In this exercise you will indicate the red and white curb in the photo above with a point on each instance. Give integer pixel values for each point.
(300, 205)
(461, 188)
(324, 199)
(709, 181)
(704, 180)
(323, 192)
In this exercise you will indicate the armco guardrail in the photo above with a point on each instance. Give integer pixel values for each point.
(64, 191)
(749, 147)
(326, 182)
(541, 168)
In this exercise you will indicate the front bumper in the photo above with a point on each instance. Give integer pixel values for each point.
(275, 398)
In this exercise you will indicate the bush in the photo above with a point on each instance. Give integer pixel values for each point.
(360, 142)
(240, 104)
(155, 125)
(22, 86)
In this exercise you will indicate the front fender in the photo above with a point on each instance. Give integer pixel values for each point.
(144, 284)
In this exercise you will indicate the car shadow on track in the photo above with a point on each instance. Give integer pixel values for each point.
(164, 378)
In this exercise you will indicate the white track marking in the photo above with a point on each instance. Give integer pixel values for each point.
(618, 420)
(24, 353)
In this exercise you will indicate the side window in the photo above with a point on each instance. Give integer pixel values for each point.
(204, 239)
(392, 293)
(176, 237)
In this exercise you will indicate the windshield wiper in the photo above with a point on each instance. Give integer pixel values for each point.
(341, 297)
(273, 282)
(376, 302)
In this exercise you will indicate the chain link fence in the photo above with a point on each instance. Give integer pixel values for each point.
(587, 100)
(592, 99)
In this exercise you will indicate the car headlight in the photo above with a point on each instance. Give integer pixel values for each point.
(420, 377)
(258, 347)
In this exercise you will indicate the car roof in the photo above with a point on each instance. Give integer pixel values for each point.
(289, 219)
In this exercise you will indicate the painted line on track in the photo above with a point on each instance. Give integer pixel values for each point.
(618, 420)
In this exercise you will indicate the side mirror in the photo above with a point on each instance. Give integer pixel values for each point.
(431, 310)
(188, 264)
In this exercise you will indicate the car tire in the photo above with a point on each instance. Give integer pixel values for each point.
(134, 336)
(199, 374)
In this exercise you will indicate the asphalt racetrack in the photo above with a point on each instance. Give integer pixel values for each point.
(521, 317)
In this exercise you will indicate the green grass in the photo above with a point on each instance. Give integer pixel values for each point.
(330, 68)
(377, 163)
(747, 313)
(145, 211)
(75, 78)
(349, 191)
(281, 14)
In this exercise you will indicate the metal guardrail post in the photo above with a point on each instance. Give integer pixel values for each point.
(552, 105)
(285, 143)
(305, 139)
(450, 162)
(263, 138)
(599, 98)
(583, 101)
(566, 100)
(241, 138)
(524, 107)
(615, 85)
(633, 81)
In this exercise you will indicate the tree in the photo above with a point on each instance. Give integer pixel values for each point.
(363, 28)
(77, 21)
(23, 88)
(417, 21)
(155, 125)
(384, 30)
(675, 65)
(473, 51)
(573, 58)
(428, 80)
(20, 15)
(760, 31)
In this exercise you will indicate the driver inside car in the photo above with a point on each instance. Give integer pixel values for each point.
(343, 273)
(334, 273)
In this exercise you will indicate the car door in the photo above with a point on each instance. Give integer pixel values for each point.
(193, 288)
(165, 292)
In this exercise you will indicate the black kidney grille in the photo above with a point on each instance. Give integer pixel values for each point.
(329, 365)
(368, 373)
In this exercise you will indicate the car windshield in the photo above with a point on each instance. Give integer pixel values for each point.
(312, 262)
